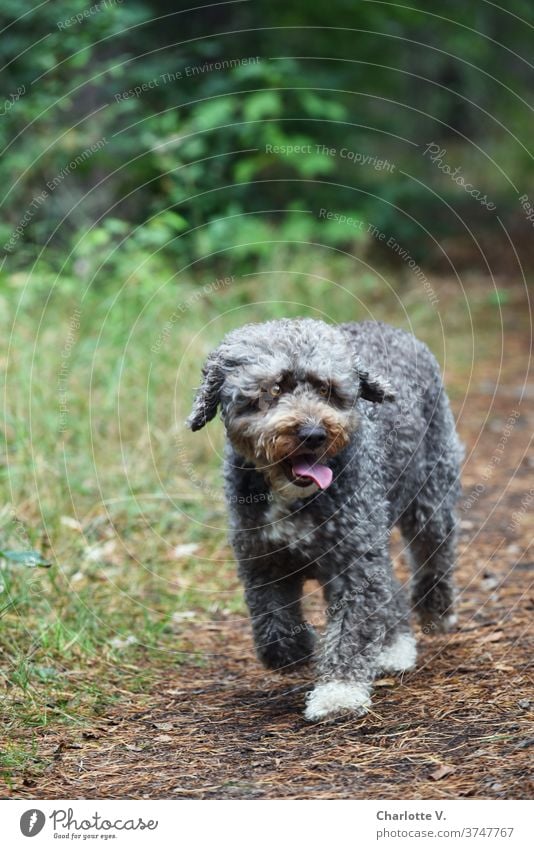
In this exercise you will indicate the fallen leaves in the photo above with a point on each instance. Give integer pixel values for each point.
(184, 550)
(494, 637)
(70, 522)
(441, 772)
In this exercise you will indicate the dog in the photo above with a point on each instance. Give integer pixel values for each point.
(336, 433)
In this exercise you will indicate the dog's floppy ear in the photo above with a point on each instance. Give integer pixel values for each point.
(208, 393)
(374, 387)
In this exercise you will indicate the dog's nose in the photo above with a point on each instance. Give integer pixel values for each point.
(312, 436)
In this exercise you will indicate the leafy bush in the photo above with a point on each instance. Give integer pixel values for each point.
(198, 131)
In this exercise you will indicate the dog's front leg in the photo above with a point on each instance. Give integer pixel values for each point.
(359, 605)
(282, 638)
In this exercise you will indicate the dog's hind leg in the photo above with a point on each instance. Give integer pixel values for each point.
(428, 523)
(429, 529)
(432, 547)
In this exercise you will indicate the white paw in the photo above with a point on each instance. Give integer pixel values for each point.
(335, 696)
(442, 625)
(449, 621)
(400, 655)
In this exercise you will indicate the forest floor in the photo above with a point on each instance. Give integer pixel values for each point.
(458, 726)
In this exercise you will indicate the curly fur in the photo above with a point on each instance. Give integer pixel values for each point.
(390, 441)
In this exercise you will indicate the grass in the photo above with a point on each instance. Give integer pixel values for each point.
(99, 475)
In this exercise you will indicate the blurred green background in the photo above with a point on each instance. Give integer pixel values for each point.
(148, 126)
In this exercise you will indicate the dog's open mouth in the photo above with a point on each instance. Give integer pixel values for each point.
(304, 469)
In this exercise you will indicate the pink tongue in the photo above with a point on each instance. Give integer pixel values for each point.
(321, 475)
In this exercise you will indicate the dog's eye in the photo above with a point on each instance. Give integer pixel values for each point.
(324, 389)
(275, 390)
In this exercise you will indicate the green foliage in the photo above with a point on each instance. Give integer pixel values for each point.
(25, 558)
(136, 112)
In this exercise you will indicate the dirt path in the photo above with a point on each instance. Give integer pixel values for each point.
(456, 727)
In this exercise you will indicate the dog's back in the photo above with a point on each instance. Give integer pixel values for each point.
(402, 359)
(417, 428)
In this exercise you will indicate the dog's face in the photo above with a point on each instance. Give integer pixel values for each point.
(287, 391)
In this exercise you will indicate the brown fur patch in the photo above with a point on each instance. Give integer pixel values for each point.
(277, 436)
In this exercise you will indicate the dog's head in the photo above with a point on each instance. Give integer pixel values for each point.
(287, 391)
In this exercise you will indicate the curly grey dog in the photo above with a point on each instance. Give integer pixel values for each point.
(335, 434)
